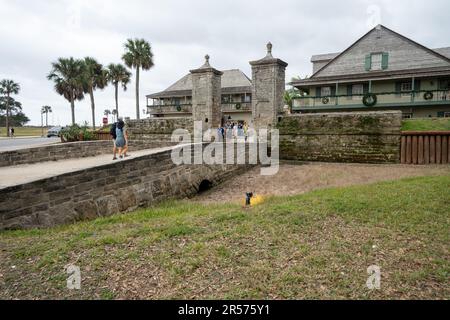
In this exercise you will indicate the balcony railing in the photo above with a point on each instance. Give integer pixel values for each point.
(166, 109)
(422, 97)
(236, 106)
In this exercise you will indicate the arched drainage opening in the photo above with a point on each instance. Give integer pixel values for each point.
(205, 185)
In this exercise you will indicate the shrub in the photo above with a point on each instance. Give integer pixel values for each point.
(76, 133)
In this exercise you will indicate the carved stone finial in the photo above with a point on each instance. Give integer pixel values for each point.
(269, 49)
(206, 65)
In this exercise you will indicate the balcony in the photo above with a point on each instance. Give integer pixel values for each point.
(170, 109)
(229, 107)
(383, 99)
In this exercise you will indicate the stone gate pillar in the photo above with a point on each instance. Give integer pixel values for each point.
(207, 95)
(268, 87)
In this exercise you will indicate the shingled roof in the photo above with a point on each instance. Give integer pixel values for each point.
(233, 81)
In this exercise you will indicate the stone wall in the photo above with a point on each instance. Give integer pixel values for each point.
(156, 132)
(362, 137)
(72, 150)
(105, 190)
(55, 152)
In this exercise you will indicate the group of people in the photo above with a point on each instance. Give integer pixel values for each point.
(233, 130)
(119, 135)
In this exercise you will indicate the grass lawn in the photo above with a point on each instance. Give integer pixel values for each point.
(24, 131)
(317, 245)
(437, 124)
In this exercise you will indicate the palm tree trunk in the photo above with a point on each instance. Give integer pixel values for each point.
(91, 93)
(116, 85)
(46, 119)
(7, 115)
(72, 107)
(137, 94)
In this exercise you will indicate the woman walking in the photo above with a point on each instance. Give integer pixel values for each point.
(121, 143)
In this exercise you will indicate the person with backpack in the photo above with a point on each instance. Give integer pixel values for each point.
(113, 134)
(121, 140)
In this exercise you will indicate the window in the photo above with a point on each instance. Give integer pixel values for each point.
(405, 89)
(376, 61)
(357, 91)
(325, 91)
(446, 114)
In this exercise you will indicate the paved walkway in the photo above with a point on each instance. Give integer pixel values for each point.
(9, 144)
(16, 175)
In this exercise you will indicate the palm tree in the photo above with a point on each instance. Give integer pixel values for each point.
(107, 113)
(95, 79)
(7, 88)
(69, 77)
(46, 110)
(138, 54)
(118, 74)
(114, 114)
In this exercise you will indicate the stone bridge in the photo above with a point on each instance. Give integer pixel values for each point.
(54, 193)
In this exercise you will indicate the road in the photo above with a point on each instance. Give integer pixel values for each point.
(7, 144)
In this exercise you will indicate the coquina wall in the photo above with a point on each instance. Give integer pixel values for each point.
(361, 137)
(105, 190)
(156, 132)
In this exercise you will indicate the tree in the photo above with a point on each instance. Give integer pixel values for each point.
(95, 77)
(69, 78)
(138, 54)
(107, 113)
(114, 114)
(16, 117)
(291, 94)
(118, 74)
(7, 88)
(46, 110)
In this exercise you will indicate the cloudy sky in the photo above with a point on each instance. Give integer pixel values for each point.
(232, 32)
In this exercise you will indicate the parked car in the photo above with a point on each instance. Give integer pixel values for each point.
(54, 132)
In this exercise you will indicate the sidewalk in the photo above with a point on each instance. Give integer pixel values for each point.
(17, 175)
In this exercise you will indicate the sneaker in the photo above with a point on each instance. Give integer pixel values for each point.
(115, 158)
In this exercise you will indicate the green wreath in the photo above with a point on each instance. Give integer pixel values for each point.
(325, 100)
(428, 95)
(370, 99)
(179, 108)
(238, 106)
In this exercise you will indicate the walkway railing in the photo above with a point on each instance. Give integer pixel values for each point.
(176, 108)
(425, 147)
(422, 97)
(236, 106)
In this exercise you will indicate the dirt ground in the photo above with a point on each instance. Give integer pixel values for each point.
(293, 179)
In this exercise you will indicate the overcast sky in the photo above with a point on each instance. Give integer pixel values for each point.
(35, 33)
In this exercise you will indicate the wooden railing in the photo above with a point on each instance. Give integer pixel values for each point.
(425, 147)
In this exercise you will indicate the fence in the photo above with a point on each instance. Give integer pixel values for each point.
(102, 136)
(425, 147)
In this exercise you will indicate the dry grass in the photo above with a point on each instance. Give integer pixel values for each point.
(316, 245)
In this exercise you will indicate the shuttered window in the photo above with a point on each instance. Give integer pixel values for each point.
(377, 61)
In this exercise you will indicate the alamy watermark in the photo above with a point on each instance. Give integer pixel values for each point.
(209, 147)
(374, 280)
(74, 277)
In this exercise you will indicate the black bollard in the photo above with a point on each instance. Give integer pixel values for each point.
(248, 198)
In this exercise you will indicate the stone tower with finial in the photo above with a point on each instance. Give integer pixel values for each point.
(207, 95)
(268, 87)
